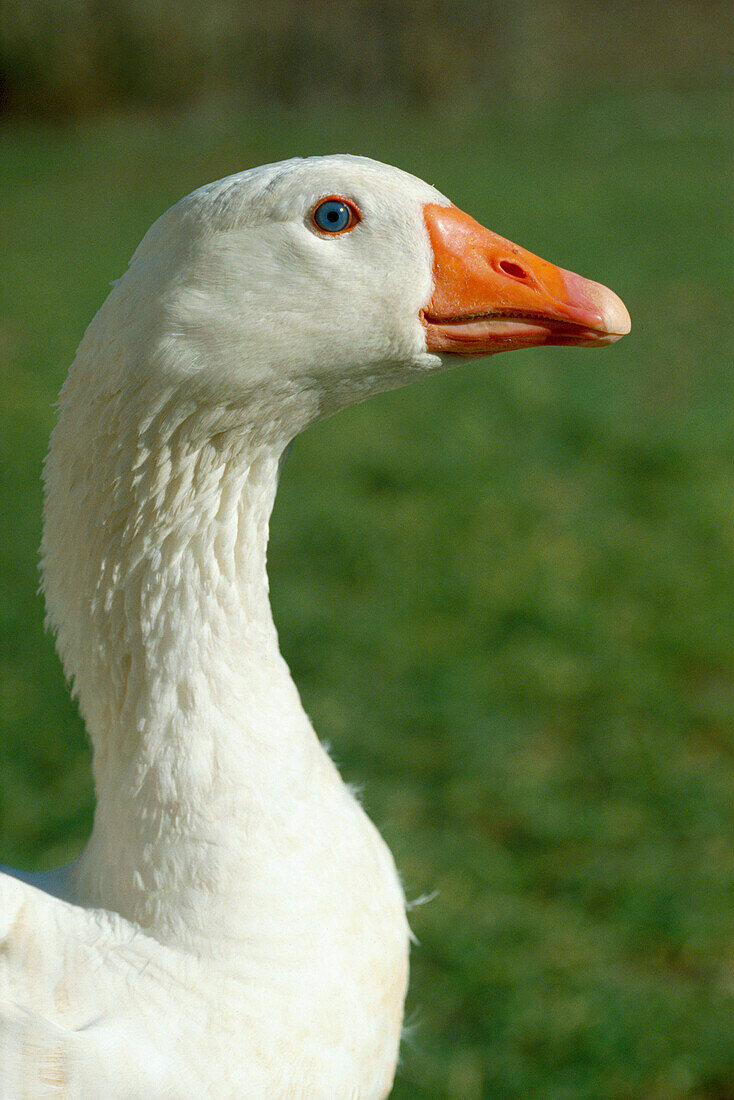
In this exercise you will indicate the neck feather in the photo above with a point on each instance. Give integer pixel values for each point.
(154, 563)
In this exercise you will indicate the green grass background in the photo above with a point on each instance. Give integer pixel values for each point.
(506, 593)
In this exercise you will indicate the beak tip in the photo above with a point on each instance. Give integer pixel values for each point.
(615, 316)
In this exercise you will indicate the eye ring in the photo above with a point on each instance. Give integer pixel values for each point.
(334, 215)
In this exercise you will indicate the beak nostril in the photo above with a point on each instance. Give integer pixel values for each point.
(509, 267)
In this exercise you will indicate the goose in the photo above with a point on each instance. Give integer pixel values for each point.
(235, 926)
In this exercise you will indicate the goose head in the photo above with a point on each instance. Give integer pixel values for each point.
(294, 289)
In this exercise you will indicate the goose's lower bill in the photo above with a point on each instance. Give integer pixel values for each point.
(490, 295)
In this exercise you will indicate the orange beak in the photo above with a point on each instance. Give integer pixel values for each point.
(490, 295)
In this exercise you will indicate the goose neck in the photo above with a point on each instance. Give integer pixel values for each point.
(157, 583)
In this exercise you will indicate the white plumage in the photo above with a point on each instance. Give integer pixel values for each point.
(235, 926)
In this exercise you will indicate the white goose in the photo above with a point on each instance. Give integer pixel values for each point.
(235, 926)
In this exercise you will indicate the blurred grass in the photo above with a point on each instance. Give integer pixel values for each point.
(507, 595)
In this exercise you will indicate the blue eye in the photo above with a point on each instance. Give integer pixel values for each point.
(334, 216)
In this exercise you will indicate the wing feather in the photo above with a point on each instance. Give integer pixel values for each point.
(73, 1002)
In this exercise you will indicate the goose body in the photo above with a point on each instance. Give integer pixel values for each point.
(235, 926)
